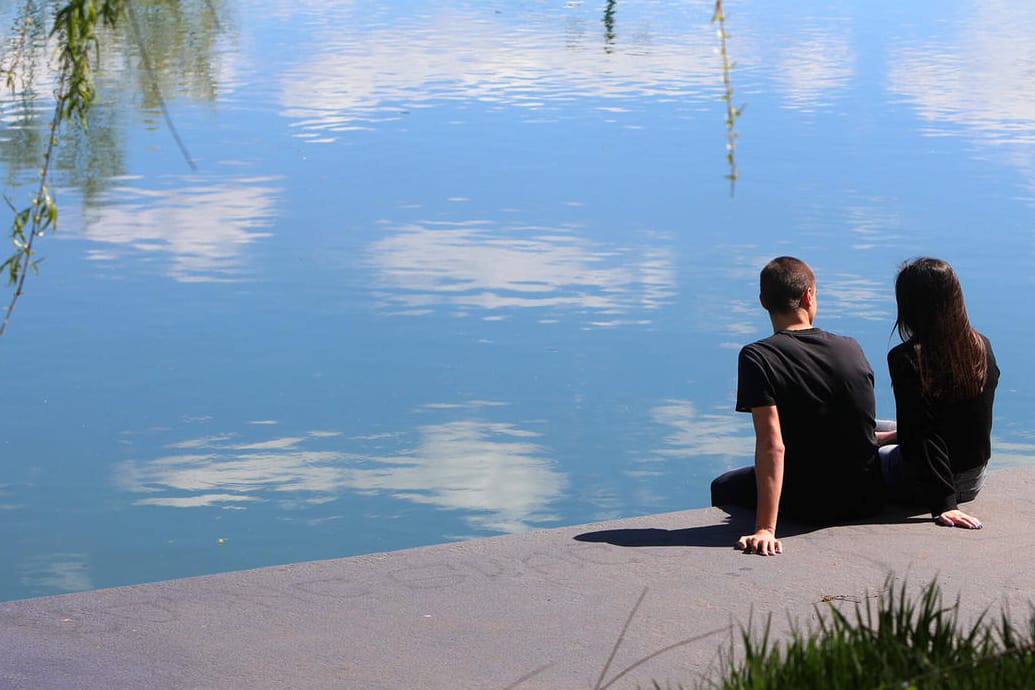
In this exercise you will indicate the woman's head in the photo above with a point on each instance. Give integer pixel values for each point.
(930, 300)
(932, 313)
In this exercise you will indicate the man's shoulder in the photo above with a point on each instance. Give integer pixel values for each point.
(831, 342)
(761, 348)
(802, 338)
(837, 337)
(813, 347)
(759, 344)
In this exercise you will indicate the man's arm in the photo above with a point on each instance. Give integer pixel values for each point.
(769, 453)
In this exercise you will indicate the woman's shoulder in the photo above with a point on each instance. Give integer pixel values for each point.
(903, 351)
(993, 365)
(904, 367)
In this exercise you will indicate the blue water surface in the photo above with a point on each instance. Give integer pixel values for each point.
(452, 269)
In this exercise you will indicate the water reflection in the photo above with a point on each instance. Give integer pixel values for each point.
(362, 77)
(732, 112)
(55, 572)
(979, 77)
(229, 472)
(980, 80)
(5, 495)
(26, 101)
(846, 295)
(493, 471)
(1012, 453)
(813, 70)
(204, 228)
(874, 224)
(693, 434)
(474, 266)
(626, 420)
(690, 447)
(609, 26)
(185, 43)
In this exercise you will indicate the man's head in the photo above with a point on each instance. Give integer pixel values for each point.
(787, 285)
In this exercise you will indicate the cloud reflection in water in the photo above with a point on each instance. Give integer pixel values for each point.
(491, 471)
(847, 295)
(693, 434)
(813, 70)
(374, 73)
(473, 265)
(204, 228)
(980, 80)
(1012, 453)
(56, 572)
(4, 496)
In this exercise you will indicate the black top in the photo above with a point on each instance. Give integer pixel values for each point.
(822, 386)
(940, 439)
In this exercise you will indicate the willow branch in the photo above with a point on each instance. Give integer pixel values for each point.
(43, 212)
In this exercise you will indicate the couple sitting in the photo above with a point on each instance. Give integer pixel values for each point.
(820, 454)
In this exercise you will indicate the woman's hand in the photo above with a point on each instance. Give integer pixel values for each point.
(957, 518)
(762, 542)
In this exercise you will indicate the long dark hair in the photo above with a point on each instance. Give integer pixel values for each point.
(933, 316)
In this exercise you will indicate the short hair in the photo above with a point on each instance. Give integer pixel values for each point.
(782, 283)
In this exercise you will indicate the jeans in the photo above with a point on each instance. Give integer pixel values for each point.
(901, 481)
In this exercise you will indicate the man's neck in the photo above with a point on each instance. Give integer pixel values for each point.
(792, 321)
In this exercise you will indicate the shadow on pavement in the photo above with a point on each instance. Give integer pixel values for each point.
(726, 533)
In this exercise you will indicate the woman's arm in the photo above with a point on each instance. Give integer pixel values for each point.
(886, 438)
(921, 446)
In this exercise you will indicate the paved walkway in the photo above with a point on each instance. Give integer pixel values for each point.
(615, 604)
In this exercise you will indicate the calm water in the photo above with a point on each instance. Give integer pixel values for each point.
(453, 269)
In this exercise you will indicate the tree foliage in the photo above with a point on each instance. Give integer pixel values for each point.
(74, 30)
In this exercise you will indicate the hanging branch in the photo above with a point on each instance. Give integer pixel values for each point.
(732, 113)
(609, 26)
(146, 60)
(18, 50)
(75, 26)
(31, 222)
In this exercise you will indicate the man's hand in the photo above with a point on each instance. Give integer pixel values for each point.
(762, 542)
(957, 518)
(769, 452)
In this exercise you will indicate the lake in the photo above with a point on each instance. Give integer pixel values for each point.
(430, 271)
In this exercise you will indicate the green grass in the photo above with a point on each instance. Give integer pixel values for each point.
(894, 641)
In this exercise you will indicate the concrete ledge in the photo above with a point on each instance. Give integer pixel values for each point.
(537, 610)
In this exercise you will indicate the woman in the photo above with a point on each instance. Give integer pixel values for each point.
(944, 376)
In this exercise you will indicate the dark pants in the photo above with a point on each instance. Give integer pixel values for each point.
(904, 487)
(736, 488)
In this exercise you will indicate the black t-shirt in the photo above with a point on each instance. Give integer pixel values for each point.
(939, 439)
(822, 387)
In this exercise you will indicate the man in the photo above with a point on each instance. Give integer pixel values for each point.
(810, 394)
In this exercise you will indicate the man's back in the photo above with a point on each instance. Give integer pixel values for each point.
(822, 386)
